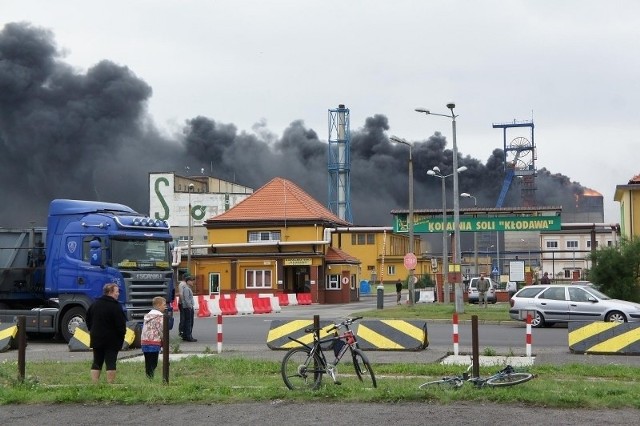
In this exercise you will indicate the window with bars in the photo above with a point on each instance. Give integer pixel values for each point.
(333, 282)
(260, 236)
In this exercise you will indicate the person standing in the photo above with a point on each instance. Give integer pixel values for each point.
(483, 287)
(107, 326)
(399, 290)
(151, 336)
(186, 297)
(545, 279)
(181, 285)
(512, 288)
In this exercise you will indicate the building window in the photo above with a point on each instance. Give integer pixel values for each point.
(258, 278)
(260, 236)
(609, 243)
(572, 244)
(588, 243)
(185, 239)
(391, 270)
(552, 244)
(360, 239)
(333, 282)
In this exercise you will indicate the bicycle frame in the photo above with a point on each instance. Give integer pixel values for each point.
(314, 363)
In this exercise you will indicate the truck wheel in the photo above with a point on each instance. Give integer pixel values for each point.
(71, 319)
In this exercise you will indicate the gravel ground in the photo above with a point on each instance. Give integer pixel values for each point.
(285, 413)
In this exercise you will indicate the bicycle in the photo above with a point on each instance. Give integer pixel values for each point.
(303, 367)
(508, 376)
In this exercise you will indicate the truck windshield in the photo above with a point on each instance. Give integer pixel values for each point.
(140, 254)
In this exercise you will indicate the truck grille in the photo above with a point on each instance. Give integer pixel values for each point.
(141, 289)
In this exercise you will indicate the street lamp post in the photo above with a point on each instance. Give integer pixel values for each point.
(475, 233)
(435, 172)
(191, 186)
(456, 200)
(411, 284)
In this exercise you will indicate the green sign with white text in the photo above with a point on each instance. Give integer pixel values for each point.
(428, 224)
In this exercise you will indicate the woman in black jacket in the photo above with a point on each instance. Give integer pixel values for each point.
(107, 326)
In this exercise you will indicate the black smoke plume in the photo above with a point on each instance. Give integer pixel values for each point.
(87, 135)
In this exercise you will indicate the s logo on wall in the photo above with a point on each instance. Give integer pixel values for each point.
(164, 215)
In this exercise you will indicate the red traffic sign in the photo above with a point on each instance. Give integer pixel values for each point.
(410, 261)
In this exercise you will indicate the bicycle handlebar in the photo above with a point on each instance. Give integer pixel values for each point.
(336, 326)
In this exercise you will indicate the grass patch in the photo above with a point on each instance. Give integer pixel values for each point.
(211, 379)
(494, 312)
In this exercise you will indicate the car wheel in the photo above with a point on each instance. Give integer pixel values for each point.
(615, 316)
(538, 320)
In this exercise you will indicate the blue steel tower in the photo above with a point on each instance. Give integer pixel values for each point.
(339, 163)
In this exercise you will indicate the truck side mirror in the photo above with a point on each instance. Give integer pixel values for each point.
(95, 253)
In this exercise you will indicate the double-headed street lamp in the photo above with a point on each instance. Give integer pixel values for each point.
(475, 234)
(456, 200)
(435, 172)
(410, 219)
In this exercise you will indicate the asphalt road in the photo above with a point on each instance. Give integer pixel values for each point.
(245, 335)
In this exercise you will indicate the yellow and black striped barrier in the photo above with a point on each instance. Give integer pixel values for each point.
(371, 334)
(604, 338)
(81, 340)
(280, 331)
(392, 335)
(8, 333)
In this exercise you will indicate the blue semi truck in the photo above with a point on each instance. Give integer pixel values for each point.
(52, 275)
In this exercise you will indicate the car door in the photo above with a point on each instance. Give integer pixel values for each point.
(553, 304)
(583, 309)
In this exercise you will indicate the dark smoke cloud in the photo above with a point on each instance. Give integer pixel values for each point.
(87, 135)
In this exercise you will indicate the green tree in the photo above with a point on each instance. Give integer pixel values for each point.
(617, 270)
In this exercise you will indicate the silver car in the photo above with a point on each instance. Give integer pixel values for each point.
(552, 303)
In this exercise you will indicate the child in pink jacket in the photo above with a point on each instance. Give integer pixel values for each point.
(151, 337)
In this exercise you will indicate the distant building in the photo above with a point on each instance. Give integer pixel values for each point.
(629, 198)
(169, 197)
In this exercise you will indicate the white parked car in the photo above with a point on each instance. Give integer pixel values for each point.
(552, 303)
(472, 291)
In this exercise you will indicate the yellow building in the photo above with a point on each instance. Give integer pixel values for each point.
(281, 240)
(629, 198)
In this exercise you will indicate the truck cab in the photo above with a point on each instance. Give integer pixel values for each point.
(89, 244)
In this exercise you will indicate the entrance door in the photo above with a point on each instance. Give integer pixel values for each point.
(214, 283)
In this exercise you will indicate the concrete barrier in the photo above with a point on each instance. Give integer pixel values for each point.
(8, 332)
(604, 338)
(396, 335)
(81, 340)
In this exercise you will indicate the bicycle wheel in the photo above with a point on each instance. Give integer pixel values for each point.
(363, 368)
(444, 383)
(300, 370)
(508, 379)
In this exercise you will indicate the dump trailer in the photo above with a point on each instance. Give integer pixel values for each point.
(52, 275)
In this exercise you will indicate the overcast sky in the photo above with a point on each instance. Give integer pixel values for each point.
(571, 66)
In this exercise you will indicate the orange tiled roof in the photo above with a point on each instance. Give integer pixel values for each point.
(278, 199)
(634, 180)
(335, 255)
